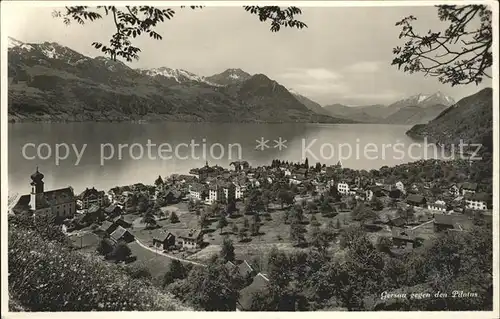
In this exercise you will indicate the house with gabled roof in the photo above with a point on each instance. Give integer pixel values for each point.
(468, 187)
(190, 238)
(90, 197)
(108, 227)
(416, 200)
(164, 241)
(259, 283)
(444, 222)
(121, 233)
(477, 201)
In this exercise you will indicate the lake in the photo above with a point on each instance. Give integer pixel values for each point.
(105, 155)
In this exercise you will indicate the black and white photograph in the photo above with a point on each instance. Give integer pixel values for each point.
(250, 157)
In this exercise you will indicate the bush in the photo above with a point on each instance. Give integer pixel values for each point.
(46, 276)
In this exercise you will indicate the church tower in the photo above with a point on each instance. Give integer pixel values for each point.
(36, 188)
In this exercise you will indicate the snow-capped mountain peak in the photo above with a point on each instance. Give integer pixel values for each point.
(425, 100)
(229, 76)
(14, 43)
(178, 75)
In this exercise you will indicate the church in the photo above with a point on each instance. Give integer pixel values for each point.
(58, 203)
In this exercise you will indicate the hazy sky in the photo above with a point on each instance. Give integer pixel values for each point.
(342, 57)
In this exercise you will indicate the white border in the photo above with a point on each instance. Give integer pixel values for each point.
(8, 6)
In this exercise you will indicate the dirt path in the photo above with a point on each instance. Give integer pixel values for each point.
(168, 256)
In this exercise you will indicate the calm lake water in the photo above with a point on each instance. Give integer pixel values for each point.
(371, 146)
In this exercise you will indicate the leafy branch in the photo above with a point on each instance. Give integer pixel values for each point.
(133, 21)
(459, 55)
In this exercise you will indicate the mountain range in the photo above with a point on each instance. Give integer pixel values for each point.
(416, 109)
(50, 82)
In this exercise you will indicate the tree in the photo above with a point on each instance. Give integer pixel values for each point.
(285, 197)
(314, 221)
(192, 205)
(255, 226)
(212, 288)
(132, 21)
(234, 229)
(376, 203)
(227, 251)
(215, 209)
(204, 221)
(231, 208)
(149, 219)
(174, 218)
(407, 214)
(222, 222)
(363, 213)
(176, 270)
(297, 233)
(158, 181)
(246, 224)
(104, 248)
(243, 234)
(459, 55)
(121, 252)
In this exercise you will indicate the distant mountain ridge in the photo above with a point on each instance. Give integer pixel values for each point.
(416, 109)
(50, 82)
(310, 104)
(470, 120)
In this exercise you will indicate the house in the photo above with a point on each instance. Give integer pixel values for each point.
(454, 190)
(91, 196)
(297, 178)
(259, 284)
(113, 210)
(396, 222)
(243, 268)
(443, 222)
(129, 201)
(437, 206)
(94, 214)
(60, 203)
(215, 193)
(477, 201)
(229, 190)
(321, 188)
(402, 237)
(401, 187)
(190, 238)
(416, 200)
(343, 188)
(395, 193)
(239, 190)
(468, 188)
(172, 196)
(120, 221)
(196, 191)
(164, 241)
(108, 227)
(121, 233)
(352, 190)
(240, 165)
(207, 171)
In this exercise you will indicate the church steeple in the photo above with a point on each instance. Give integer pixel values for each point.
(36, 187)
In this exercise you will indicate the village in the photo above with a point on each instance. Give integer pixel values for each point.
(285, 205)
